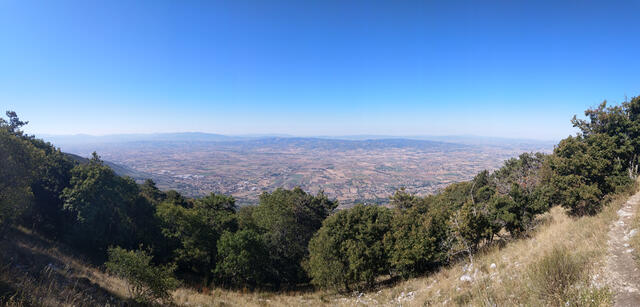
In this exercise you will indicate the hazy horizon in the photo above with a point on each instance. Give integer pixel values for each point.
(501, 69)
(283, 135)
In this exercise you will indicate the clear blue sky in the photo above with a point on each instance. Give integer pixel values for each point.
(493, 68)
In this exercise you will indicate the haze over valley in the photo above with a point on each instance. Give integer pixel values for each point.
(351, 169)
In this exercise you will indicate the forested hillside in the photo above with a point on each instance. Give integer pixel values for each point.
(294, 240)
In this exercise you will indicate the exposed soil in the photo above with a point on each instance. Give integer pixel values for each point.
(623, 275)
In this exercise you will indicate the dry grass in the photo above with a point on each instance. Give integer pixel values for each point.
(36, 272)
(514, 274)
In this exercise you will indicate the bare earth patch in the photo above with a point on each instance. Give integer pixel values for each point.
(621, 272)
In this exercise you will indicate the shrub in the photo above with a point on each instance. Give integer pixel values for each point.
(146, 281)
(242, 258)
(585, 169)
(415, 243)
(348, 250)
(553, 276)
(286, 220)
(194, 232)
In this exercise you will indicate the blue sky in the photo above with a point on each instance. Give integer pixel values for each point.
(494, 68)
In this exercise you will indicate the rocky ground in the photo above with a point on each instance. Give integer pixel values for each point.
(621, 271)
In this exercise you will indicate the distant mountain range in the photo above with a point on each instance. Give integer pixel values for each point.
(121, 138)
(365, 140)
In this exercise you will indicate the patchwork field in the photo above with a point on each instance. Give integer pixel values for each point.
(351, 171)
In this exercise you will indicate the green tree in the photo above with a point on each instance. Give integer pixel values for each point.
(194, 232)
(19, 161)
(100, 201)
(47, 214)
(20, 165)
(415, 243)
(468, 227)
(404, 200)
(287, 219)
(13, 124)
(622, 124)
(584, 171)
(243, 258)
(602, 158)
(150, 191)
(516, 211)
(522, 193)
(348, 251)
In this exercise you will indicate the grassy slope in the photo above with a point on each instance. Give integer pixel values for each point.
(37, 272)
(519, 277)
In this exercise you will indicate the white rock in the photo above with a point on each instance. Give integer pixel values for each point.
(492, 266)
(467, 267)
(633, 232)
(466, 277)
(405, 296)
(624, 213)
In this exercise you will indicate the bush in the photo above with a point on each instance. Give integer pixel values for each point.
(242, 258)
(146, 281)
(585, 169)
(194, 232)
(553, 276)
(415, 243)
(348, 250)
(286, 221)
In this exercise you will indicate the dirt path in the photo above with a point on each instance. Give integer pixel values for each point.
(623, 274)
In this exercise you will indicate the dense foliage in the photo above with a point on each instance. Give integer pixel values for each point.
(193, 232)
(349, 250)
(293, 238)
(147, 282)
(286, 220)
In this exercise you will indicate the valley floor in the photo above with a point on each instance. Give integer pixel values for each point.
(568, 253)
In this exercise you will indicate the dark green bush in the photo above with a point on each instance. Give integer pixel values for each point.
(146, 281)
(415, 243)
(193, 232)
(348, 250)
(243, 259)
(286, 220)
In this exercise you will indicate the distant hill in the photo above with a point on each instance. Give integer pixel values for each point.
(121, 170)
(339, 144)
(458, 139)
(120, 138)
(384, 140)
